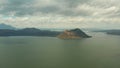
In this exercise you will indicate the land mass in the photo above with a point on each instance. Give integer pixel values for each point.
(73, 34)
(28, 32)
(112, 32)
(5, 26)
(67, 34)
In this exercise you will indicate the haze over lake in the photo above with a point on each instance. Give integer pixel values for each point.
(59, 33)
(100, 51)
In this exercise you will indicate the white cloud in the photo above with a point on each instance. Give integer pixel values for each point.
(60, 22)
(60, 13)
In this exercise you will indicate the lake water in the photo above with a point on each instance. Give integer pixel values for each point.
(100, 51)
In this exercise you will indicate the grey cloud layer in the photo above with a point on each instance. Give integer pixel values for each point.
(17, 7)
(60, 7)
(28, 7)
(82, 12)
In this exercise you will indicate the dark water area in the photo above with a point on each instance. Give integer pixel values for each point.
(100, 51)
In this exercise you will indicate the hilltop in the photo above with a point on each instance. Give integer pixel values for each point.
(73, 34)
(5, 26)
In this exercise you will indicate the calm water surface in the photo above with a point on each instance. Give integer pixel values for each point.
(100, 51)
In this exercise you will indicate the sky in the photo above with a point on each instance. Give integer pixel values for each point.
(103, 14)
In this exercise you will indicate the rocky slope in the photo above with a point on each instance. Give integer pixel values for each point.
(73, 34)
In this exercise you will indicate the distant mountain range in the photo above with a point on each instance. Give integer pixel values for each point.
(69, 34)
(5, 26)
(112, 32)
(27, 32)
(7, 30)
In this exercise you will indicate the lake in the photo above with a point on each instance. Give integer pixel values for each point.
(100, 51)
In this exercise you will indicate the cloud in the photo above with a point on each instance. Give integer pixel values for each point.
(60, 13)
(30, 7)
(60, 7)
(72, 3)
(14, 6)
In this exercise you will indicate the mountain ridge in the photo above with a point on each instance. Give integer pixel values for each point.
(67, 34)
(5, 26)
(73, 34)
